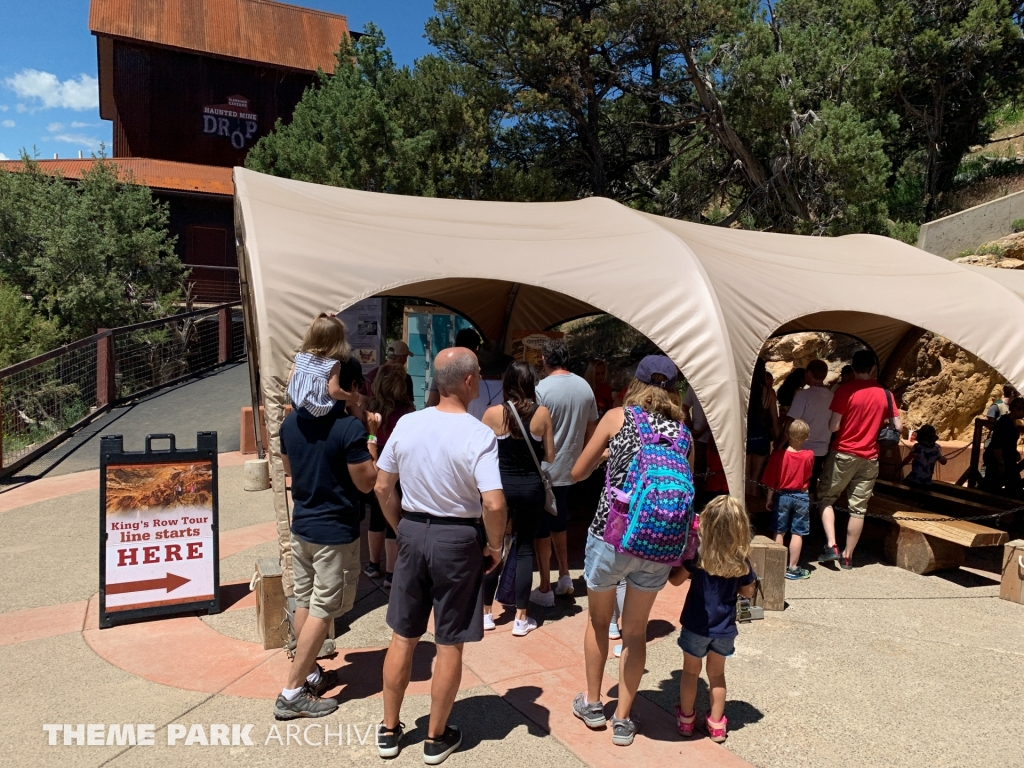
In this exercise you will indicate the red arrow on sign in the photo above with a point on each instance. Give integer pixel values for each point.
(170, 582)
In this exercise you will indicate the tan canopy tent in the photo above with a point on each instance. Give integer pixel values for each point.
(708, 296)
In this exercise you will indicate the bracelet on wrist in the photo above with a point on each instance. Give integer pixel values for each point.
(372, 439)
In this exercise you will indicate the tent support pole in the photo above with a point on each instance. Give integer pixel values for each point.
(251, 345)
(507, 319)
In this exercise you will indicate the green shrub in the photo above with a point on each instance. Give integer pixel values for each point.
(991, 248)
(905, 231)
(1018, 225)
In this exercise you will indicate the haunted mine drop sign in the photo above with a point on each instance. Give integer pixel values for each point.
(158, 512)
(233, 121)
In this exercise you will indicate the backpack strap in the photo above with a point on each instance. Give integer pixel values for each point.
(643, 425)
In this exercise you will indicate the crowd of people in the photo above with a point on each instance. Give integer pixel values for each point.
(470, 495)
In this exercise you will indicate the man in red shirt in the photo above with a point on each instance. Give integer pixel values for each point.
(859, 409)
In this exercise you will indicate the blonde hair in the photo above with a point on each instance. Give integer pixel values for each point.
(724, 538)
(390, 391)
(326, 338)
(654, 400)
(799, 430)
(590, 375)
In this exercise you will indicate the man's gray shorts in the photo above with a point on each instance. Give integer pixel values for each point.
(440, 567)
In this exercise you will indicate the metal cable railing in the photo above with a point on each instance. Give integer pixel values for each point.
(47, 398)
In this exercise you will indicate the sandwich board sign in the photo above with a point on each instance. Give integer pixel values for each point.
(159, 549)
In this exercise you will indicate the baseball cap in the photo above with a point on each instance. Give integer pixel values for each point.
(655, 365)
(397, 348)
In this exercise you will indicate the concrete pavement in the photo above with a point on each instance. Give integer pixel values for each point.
(875, 666)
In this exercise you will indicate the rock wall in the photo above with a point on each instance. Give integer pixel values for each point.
(935, 383)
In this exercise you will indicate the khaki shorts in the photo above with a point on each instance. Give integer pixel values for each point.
(850, 473)
(326, 576)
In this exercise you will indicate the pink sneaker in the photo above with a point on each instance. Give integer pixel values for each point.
(685, 722)
(716, 731)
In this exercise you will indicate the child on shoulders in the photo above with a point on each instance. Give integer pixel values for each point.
(720, 571)
(315, 383)
(788, 476)
(924, 455)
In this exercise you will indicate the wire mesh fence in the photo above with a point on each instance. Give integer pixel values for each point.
(43, 400)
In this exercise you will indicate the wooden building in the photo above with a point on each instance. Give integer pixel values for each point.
(190, 86)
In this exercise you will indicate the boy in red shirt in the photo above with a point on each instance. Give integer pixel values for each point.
(788, 476)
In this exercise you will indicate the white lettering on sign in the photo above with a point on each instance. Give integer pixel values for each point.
(234, 121)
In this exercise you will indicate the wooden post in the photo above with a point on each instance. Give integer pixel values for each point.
(1012, 585)
(271, 618)
(106, 384)
(224, 333)
(1, 424)
(972, 473)
(769, 560)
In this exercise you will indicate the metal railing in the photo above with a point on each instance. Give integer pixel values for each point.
(45, 399)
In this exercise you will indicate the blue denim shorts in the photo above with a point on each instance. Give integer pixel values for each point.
(792, 513)
(604, 568)
(698, 645)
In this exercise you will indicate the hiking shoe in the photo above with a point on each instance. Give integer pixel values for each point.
(524, 627)
(564, 586)
(796, 572)
(436, 752)
(489, 622)
(373, 570)
(591, 713)
(829, 554)
(329, 680)
(614, 633)
(306, 704)
(389, 740)
(543, 599)
(846, 563)
(623, 731)
(386, 584)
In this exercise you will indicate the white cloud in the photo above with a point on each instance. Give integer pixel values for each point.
(85, 142)
(48, 89)
(82, 125)
(4, 107)
(3, 156)
(54, 127)
(7, 123)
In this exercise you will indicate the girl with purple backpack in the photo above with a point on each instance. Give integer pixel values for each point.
(651, 415)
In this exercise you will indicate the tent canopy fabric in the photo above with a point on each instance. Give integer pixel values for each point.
(708, 296)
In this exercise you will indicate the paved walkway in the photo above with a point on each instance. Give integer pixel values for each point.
(211, 402)
(872, 667)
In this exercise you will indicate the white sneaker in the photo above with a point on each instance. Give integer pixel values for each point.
(489, 622)
(564, 585)
(543, 599)
(524, 627)
(613, 630)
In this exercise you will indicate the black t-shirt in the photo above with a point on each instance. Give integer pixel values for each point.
(710, 607)
(319, 450)
(1004, 436)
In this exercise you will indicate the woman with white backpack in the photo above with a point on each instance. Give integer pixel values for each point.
(639, 532)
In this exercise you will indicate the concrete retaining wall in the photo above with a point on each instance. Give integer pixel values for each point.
(949, 236)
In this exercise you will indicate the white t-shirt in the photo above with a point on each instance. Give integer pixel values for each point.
(697, 414)
(444, 462)
(491, 393)
(812, 405)
(571, 402)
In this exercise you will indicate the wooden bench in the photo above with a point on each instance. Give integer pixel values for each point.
(922, 542)
(946, 499)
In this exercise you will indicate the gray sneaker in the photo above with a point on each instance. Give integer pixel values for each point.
(306, 704)
(623, 731)
(592, 714)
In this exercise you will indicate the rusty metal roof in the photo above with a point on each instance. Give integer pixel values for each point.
(251, 30)
(155, 174)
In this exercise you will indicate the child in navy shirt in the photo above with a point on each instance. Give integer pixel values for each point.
(788, 476)
(719, 573)
(925, 454)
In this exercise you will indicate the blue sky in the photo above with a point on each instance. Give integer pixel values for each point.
(48, 92)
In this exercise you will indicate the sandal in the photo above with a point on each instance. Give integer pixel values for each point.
(685, 723)
(716, 730)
